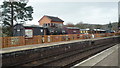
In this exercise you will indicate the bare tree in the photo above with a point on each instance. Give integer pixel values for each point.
(70, 24)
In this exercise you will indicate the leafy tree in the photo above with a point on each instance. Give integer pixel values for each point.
(21, 13)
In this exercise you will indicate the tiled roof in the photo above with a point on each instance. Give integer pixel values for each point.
(84, 29)
(99, 30)
(28, 25)
(73, 28)
(55, 19)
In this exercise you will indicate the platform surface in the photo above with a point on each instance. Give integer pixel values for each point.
(108, 57)
(26, 47)
(111, 60)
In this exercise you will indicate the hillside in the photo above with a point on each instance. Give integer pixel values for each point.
(114, 26)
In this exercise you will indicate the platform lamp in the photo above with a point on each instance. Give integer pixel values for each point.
(12, 11)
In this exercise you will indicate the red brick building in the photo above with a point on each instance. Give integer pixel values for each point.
(50, 20)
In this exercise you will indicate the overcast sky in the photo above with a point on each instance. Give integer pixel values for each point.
(74, 11)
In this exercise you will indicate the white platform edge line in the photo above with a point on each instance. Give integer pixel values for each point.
(96, 56)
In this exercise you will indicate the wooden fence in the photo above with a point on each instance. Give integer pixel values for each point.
(21, 41)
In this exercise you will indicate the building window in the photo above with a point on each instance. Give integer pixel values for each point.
(48, 24)
(53, 24)
(63, 31)
(83, 31)
(41, 30)
(74, 31)
(18, 30)
(45, 24)
(28, 33)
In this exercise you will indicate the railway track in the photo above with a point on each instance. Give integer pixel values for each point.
(67, 59)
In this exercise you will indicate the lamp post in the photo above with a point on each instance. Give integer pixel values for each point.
(119, 23)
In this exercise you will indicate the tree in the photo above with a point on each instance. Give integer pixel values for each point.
(115, 26)
(82, 25)
(98, 26)
(70, 24)
(21, 13)
(110, 26)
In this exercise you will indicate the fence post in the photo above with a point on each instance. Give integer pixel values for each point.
(39, 39)
(45, 38)
(60, 38)
(1, 42)
(23, 40)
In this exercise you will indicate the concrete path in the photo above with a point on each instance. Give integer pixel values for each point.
(110, 60)
(108, 57)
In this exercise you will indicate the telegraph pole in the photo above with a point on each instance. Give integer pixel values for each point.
(119, 16)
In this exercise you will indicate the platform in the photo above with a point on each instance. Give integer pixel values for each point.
(26, 47)
(108, 57)
(14, 56)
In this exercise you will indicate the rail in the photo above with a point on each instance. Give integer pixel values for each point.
(40, 39)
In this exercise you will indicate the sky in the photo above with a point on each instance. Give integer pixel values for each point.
(74, 11)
